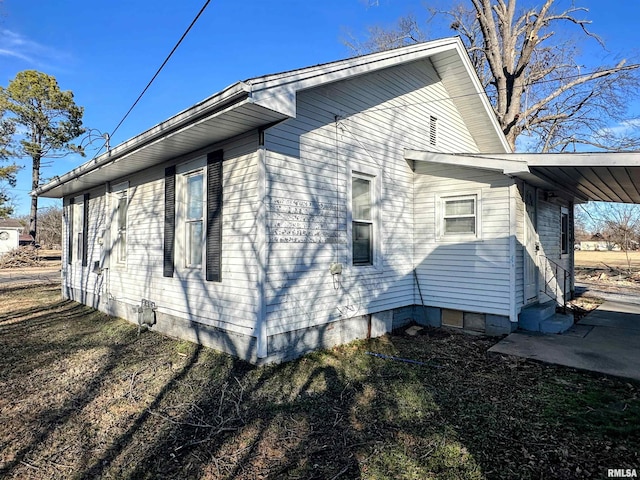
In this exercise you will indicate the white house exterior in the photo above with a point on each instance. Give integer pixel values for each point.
(309, 208)
(10, 231)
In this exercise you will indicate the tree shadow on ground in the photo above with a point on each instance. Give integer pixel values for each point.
(100, 402)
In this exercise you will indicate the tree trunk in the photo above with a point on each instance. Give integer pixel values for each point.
(35, 183)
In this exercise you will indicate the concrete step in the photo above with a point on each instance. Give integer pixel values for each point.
(530, 317)
(558, 323)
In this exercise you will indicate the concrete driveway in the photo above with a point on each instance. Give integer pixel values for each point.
(607, 340)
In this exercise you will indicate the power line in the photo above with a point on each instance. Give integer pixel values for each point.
(206, 3)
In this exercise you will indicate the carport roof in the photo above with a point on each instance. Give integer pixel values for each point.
(598, 176)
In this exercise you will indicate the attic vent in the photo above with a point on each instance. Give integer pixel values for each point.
(433, 121)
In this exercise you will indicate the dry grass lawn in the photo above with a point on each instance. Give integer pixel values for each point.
(593, 259)
(82, 396)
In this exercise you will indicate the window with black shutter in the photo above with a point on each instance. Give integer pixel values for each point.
(70, 232)
(169, 220)
(85, 230)
(214, 217)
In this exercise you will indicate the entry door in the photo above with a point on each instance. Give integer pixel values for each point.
(530, 250)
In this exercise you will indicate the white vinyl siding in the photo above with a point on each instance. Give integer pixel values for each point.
(309, 164)
(230, 304)
(76, 276)
(466, 275)
(518, 194)
(550, 236)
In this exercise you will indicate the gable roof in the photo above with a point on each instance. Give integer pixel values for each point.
(261, 101)
(10, 223)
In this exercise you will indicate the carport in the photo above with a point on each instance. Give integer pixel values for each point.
(596, 176)
(608, 339)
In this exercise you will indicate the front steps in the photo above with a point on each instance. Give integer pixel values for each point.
(542, 317)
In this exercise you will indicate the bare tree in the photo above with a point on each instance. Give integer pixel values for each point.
(531, 73)
(50, 226)
(618, 224)
(581, 224)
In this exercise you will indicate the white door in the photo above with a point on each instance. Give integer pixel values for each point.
(530, 247)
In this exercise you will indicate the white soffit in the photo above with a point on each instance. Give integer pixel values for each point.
(600, 176)
(506, 166)
(206, 132)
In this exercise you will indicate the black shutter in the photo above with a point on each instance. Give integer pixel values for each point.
(85, 230)
(214, 216)
(70, 231)
(169, 219)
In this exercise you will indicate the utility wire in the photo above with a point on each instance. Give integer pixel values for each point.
(206, 3)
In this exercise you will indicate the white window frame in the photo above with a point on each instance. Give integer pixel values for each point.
(441, 217)
(78, 229)
(564, 212)
(374, 176)
(117, 192)
(183, 172)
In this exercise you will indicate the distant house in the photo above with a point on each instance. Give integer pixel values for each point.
(597, 242)
(10, 234)
(26, 240)
(308, 208)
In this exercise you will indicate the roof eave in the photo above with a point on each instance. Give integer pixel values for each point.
(230, 96)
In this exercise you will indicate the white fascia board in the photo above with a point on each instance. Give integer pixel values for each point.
(578, 159)
(278, 92)
(507, 166)
(482, 95)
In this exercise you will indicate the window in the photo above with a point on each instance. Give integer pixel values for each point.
(193, 219)
(564, 230)
(362, 220)
(78, 228)
(460, 216)
(120, 222)
(193, 211)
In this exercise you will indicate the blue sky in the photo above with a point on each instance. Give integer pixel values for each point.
(106, 52)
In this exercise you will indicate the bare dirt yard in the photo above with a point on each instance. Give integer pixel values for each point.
(609, 273)
(28, 265)
(83, 396)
